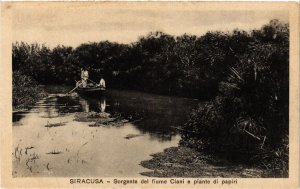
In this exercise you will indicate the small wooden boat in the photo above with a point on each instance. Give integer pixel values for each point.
(91, 90)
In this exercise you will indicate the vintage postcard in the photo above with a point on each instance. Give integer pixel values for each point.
(149, 94)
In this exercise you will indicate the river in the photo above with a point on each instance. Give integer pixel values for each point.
(77, 148)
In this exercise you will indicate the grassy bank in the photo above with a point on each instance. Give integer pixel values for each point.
(26, 91)
(188, 162)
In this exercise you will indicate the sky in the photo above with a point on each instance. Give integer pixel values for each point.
(74, 26)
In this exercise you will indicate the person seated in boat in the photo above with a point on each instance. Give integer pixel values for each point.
(84, 77)
(102, 83)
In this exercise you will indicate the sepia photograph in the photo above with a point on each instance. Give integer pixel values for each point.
(149, 92)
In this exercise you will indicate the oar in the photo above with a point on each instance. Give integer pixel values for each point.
(73, 89)
(93, 82)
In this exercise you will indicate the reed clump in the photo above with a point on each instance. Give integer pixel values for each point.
(249, 118)
(26, 91)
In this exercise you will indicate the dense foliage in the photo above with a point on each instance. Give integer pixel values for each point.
(244, 75)
(26, 91)
(159, 63)
(250, 114)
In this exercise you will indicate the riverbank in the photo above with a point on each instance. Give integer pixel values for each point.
(26, 91)
(187, 162)
(28, 100)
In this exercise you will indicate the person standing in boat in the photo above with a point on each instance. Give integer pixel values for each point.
(84, 77)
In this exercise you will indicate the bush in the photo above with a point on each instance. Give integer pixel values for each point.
(250, 114)
(25, 91)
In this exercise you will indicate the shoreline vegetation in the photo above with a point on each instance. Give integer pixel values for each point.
(241, 77)
(26, 91)
(187, 162)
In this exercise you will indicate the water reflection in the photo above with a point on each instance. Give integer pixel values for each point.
(17, 116)
(149, 113)
(67, 104)
(85, 105)
(102, 104)
(93, 104)
(152, 114)
(82, 147)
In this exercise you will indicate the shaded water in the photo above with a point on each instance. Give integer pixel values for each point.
(73, 148)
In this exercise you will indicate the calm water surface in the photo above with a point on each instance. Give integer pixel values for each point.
(75, 149)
